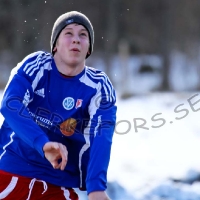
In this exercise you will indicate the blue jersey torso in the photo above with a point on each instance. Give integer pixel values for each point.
(41, 105)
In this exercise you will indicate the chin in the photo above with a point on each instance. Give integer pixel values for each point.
(76, 61)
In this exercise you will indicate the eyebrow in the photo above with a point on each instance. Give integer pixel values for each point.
(83, 29)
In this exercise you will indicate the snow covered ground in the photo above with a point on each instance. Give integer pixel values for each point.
(144, 163)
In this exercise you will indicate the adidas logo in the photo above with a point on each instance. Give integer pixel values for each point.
(40, 92)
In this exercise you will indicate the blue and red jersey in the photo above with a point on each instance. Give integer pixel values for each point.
(40, 105)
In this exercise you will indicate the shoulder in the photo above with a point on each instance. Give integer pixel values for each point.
(33, 62)
(97, 75)
(103, 83)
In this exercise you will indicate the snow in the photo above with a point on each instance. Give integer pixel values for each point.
(183, 72)
(145, 163)
(146, 159)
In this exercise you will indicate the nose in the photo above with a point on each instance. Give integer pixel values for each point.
(76, 39)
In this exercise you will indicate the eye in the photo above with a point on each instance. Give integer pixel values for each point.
(83, 34)
(68, 33)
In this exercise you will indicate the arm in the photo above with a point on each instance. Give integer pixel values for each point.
(18, 93)
(103, 118)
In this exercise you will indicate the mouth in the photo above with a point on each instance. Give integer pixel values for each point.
(75, 49)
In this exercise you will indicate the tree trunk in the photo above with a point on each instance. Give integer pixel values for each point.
(110, 39)
(165, 42)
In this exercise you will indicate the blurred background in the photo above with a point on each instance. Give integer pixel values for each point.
(151, 52)
(158, 39)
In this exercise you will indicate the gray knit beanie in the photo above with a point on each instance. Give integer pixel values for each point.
(69, 18)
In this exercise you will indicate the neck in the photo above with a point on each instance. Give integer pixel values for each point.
(67, 68)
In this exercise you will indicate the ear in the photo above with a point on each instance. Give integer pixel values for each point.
(54, 49)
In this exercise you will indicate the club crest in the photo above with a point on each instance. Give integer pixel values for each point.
(68, 103)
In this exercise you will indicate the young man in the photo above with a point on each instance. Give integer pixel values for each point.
(59, 120)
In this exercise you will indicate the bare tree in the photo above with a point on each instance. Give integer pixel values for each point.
(165, 41)
(110, 41)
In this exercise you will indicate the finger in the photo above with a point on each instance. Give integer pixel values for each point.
(64, 155)
(58, 166)
(55, 165)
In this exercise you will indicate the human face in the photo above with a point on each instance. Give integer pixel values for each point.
(72, 45)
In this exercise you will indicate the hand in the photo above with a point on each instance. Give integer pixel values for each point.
(54, 151)
(99, 195)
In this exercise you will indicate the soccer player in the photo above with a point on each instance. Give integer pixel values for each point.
(59, 119)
